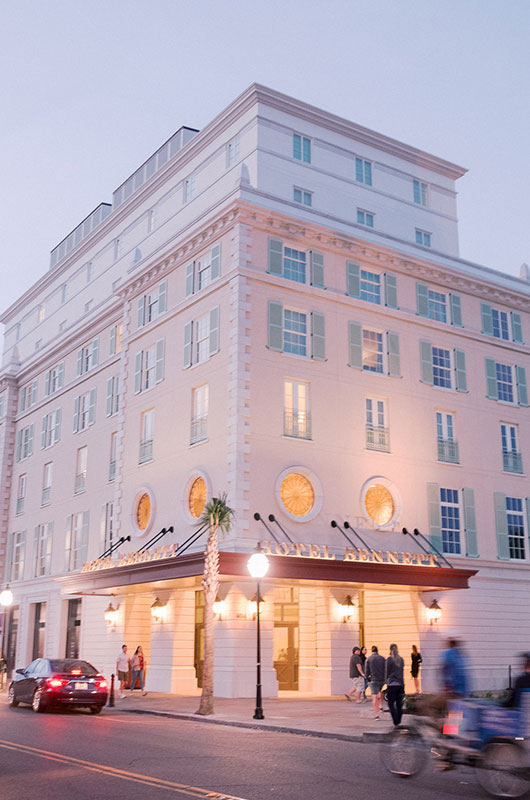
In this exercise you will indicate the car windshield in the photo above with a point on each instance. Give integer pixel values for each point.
(73, 666)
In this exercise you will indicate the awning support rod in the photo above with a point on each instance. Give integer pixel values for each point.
(259, 518)
(358, 535)
(272, 518)
(406, 532)
(106, 553)
(191, 540)
(430, 544)
(156, 538)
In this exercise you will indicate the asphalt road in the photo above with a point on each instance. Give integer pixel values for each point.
(118, 755)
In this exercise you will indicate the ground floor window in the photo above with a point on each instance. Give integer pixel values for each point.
(286, 636)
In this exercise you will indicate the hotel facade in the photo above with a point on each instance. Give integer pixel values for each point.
(273, 307)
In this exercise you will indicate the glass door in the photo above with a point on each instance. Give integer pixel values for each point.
(286, 635)
(73, 629)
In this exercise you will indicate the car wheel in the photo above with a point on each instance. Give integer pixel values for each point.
(38, 703)
(13, 702)
(95, 709)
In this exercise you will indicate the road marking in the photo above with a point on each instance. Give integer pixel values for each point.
(146, 780)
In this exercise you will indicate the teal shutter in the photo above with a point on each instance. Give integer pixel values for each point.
(355, 345)
(501, 525)
(110, 392)
(47, 383)
(468, 497)
(160, 360)
(190, 276)
(84, 538)
(60, 375)
(316, 261)
(527, 503)
(275, 256)
(92, 407)
(392, 343)
(390, 283)
(491, 379)
(138, 372)
(34, 392)
(487, 319)
(68, 543)
(456, 310)
(353, 279)
(19, 445)
(112, 347)
(460, 371)
(275, 338)
(435, 517)
(30, 440)
(216, 261)
(141, 311)
(80, 361)
(426, 362)
(95, 352)
(57, 428)
(43, 432)
(517, 328)
(76, 414)
(318, 336)
(162, 297)
(188, 341)
(213, 339)
(422, 299)
(522, 391)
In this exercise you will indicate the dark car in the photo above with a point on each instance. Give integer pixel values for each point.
(49, 682)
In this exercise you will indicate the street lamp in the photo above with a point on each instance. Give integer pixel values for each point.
(258, 565)
(6, 600)
(6, 597)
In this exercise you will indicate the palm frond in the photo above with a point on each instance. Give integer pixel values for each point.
(218, 514)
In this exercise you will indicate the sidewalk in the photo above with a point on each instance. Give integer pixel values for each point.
(330, 717)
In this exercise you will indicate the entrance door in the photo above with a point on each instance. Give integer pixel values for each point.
(11, 644)
(198, 658)
(285, 644)
(39, 628)
(73, 628)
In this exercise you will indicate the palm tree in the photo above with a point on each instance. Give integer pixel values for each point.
(217, 515)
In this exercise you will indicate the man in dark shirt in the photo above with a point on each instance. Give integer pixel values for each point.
(522, 682)
(357, 676)
(375, 673)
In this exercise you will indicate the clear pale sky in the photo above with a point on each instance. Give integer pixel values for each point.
(88, 90)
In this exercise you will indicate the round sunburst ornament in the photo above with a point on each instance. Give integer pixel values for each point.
(197, 497)
(143, 511)
(297, 494)
(379, 504)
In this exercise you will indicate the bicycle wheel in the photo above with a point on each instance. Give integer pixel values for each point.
(502, 771)
(404, 754)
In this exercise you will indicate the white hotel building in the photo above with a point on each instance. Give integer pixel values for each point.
(274, 307)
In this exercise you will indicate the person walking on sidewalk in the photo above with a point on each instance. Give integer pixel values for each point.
(395, 691)
(357, 676)
(375, 673)
(122, 668)
(416, 660)
(138, 669)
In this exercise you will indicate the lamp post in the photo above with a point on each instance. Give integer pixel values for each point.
(258, 565)
(6, 600)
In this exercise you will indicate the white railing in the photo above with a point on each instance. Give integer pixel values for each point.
(146, 451)
(46, 496)
(297, 424)
(80, 483)
(377, 438)
(199, 429)
(448, 451)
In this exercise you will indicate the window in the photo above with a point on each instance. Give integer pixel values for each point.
(377, 432)
(46, 484)
(500, 380)
(365, 218)
(54, 379)
(27, 396)
(189, 188)
(233, 151)
(116, 334)
(501, 324)
(84, 410)
(372, 351)
(201, 338)
(80, 470)
(512, 460)
(113, 456)
(436, 306)
(419, 192)
(450, 514)
(42, 549)
(296, 413)
(295, 332)
(291, 263)
(147, 427)
(504, 382)
(152, 305)
(21, 493)
(363, 171)
(370, 287)
(201, 273)
(51, 429)
(24, 443)
(18, 555)
(423, 238)
(113, 397)
(199, 414)
(441, 367)
(149, 367)
(294, 265)
(302, 196)
(445, 434)
(301, 148)
(76, 540)
(108, 523)
(515, 522)
(289, 332)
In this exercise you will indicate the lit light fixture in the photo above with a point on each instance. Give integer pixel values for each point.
(434, 612)
(219, 607)
(111, 615)
(159, 610)
(6, 597)
(348, 608)
(252, 607)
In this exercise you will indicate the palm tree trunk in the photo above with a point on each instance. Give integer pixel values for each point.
(210, 584)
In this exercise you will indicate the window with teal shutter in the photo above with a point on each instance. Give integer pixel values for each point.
(434, 515)
(501, 526)
(522, 390)
(426, 362)
(517, 328)
(470, 525)
(390, 282)
(422, 300)
(355, 345)
(456, 310)
(318, 336)
(460, 371)
(353, 279)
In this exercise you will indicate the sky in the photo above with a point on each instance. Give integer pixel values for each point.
(88, 90)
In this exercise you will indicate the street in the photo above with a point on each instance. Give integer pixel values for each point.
(117, 755)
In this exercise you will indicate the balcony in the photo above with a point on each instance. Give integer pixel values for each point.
(112, 470)
(378, 438)
(448, 451)
(80, 483)
(297, 424)
(46, 496)
(146, 451)
(20, 505)
(199, 430)
(512, 462)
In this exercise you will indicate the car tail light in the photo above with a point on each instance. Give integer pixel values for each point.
(102, 684)
(55, 683)
(76, 671)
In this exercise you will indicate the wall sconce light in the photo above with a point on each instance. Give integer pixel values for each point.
(252, 607)
(434, 612)
(6, 597)
(111, 615)
(219, 607)
(159, 611)
(348, 608)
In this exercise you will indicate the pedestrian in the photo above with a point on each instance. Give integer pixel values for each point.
(122, 668)
(138, 669)
(454, 669)
(364, 656)
(375, 673)
(357, 676)
(416, 660)
(522, 684)
(395, 691)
